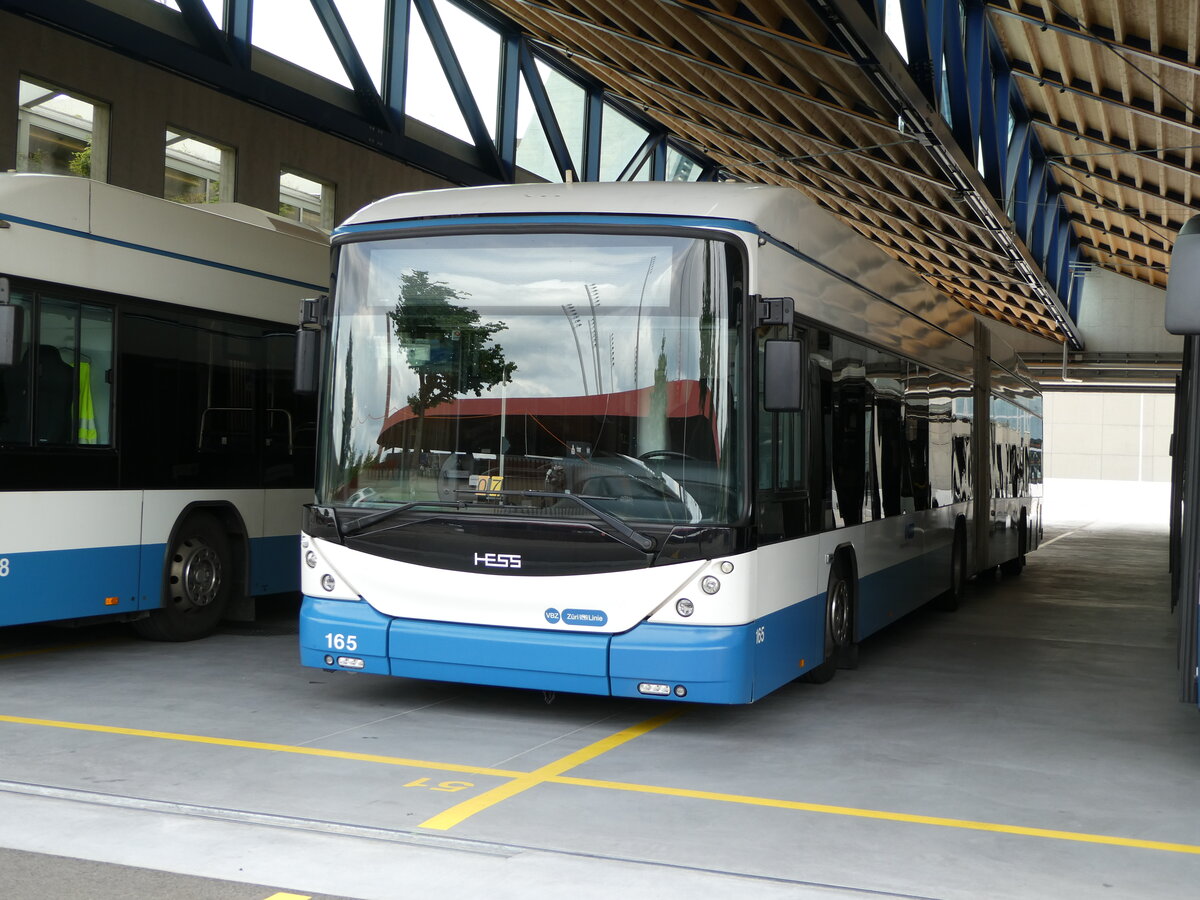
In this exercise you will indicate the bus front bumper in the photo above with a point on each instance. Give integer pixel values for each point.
(703, 664)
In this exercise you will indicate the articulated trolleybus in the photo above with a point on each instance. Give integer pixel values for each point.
(153, 456)
(687, 441)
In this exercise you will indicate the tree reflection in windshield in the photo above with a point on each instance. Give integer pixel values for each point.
(450, 351)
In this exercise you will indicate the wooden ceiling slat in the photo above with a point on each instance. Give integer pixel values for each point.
(765, 89)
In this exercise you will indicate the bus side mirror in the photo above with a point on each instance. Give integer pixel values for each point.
(1183, 283)
(10, 327)
(784, 368)
(307, 372)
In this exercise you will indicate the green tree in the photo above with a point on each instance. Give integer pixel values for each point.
(446, 345)
(81, 162)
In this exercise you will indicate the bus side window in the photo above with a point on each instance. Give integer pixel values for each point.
(58, 392)
(14, 382)
(74, 358)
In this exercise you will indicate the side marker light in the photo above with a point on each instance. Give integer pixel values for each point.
(657, 690)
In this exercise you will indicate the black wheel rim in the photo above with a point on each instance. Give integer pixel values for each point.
(839, 613)
(196, 575)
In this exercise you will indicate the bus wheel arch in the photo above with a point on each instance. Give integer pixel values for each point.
(204, 574)
(841, 608)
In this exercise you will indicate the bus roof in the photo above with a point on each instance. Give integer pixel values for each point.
(96, 235)
(769, 207)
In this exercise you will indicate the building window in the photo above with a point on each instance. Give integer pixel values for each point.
(61, 133)
(197, 170)
(306, 200)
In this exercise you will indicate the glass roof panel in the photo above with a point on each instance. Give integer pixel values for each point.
(428, 96)
(477, 46)
(292, 31)
(533, 149)
(619, 140)
(366, 21)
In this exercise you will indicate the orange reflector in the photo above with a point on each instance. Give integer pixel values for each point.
(111, 601)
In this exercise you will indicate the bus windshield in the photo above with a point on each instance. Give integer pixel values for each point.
(500, 373)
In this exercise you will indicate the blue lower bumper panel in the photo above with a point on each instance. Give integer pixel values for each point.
(333, 629)
(509, 657)
(714, 665)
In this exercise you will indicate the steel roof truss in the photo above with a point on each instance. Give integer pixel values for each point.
(488, 156)
(373, 107)
(208, 34)
(545, 114)
(395, 59)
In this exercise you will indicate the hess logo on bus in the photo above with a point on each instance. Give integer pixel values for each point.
(498, 560)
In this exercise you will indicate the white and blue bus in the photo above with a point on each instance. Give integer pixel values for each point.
(154, 458)
(688, 441)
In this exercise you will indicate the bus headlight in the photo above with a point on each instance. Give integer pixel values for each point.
(684, 607)
(710, 584)
(328, 582)
(310, 559)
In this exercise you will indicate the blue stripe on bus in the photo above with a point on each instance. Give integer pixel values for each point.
(275, 564)
(129, 245)
(597, 218)
(51, 585)
(70, 584)
(887, 596)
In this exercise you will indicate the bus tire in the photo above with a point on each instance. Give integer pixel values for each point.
(198, 584)
(1017, 563)
(840, 649)
(950, 599)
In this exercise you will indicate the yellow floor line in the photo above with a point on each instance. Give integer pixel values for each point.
(967, 824)
(260, 745)
(456, 814)
(552, 773)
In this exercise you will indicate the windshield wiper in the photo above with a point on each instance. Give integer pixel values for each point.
(362, 524)
(628, 536)
(624, 533)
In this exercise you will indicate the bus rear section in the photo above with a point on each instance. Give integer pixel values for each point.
(153, 455)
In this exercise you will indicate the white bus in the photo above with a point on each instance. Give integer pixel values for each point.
(685, 441)
(153, 456)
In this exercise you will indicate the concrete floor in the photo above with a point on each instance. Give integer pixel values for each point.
(1028, 745)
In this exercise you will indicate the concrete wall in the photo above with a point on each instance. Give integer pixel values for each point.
(1114, 437)
(145, 101)
(1108, 457)
(1118, 314)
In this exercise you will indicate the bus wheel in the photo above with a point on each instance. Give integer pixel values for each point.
(840, 649)
(952, 597)
(198, 587)
(1016, 564)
